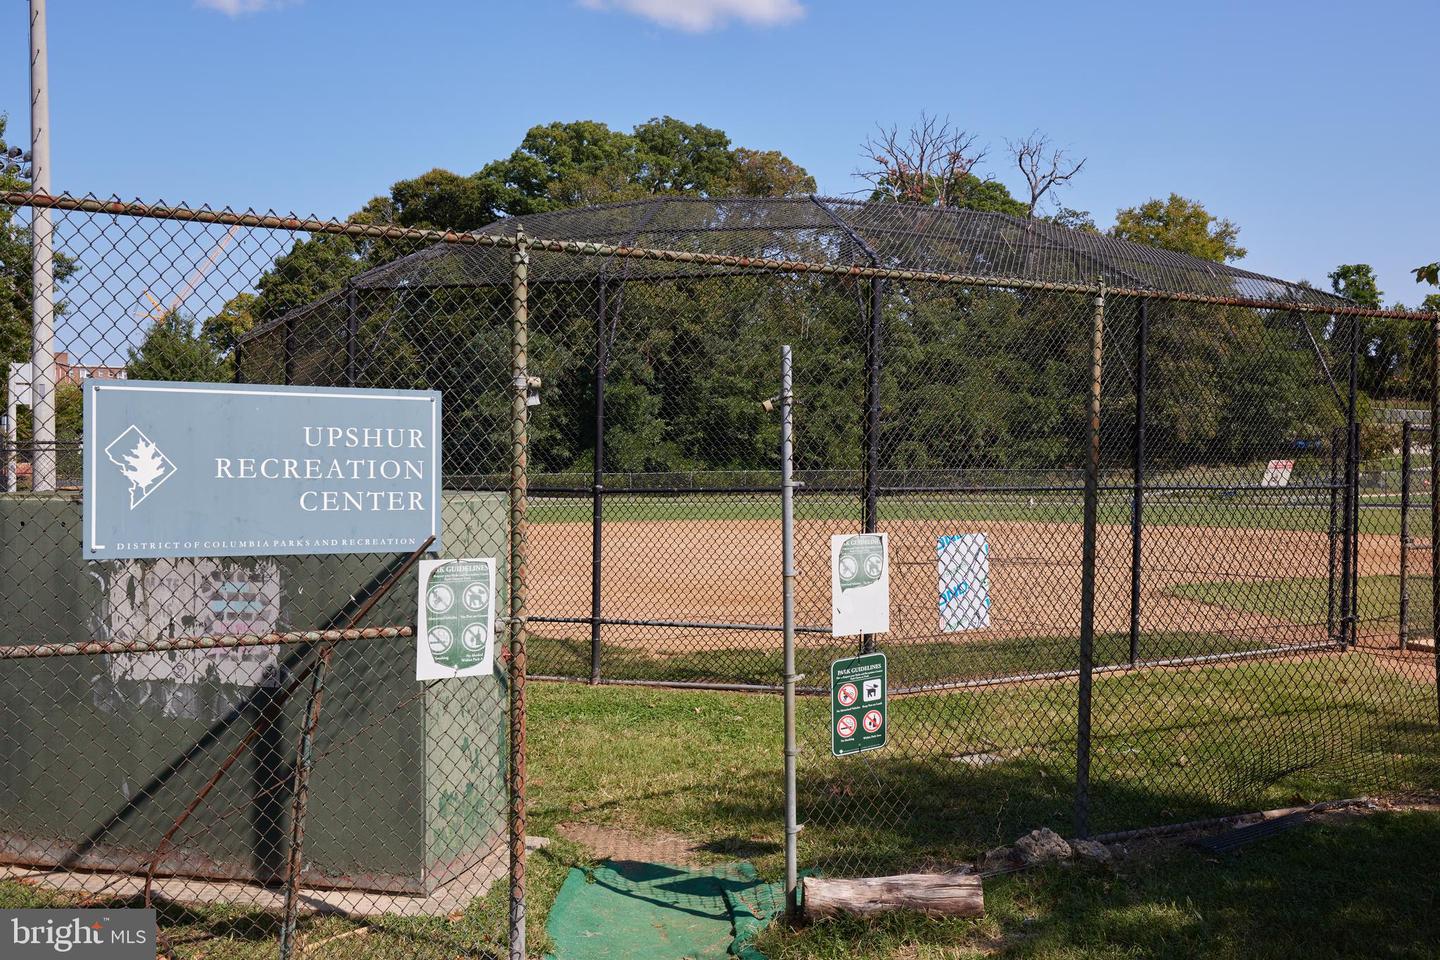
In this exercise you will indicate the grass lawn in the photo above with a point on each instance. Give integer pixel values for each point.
(1307, 600)
(1356, 887)
(1169, 746)
(705, 768)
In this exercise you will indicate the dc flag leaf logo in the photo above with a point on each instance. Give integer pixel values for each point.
(141, 462)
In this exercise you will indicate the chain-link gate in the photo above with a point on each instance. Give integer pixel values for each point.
(1200, 506)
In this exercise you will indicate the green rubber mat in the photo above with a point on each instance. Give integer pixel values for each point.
(624, 909)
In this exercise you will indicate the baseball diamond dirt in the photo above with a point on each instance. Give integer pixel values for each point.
(728, 571)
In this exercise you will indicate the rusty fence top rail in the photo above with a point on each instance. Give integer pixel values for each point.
(31, 651)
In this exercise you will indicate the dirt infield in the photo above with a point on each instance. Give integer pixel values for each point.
(729, 571)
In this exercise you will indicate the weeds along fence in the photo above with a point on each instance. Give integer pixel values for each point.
(1204, 496)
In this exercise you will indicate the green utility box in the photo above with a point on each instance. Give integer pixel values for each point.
(102, 753)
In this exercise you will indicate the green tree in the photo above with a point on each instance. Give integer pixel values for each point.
(235, 319)
(767, 173)
(1182, 225)
(1356, 281)
(1390, 348)
(173, 349)
(556, 166)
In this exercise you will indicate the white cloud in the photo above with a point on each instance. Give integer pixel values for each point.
(239, 8)
(697, 16)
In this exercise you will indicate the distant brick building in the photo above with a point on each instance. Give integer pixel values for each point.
(67, 372)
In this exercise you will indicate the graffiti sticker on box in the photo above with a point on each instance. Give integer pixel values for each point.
(148, 601)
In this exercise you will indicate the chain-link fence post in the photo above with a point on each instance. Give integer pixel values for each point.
(1405, 535)
(1137, 496)
(871, 430)
(519, 465)
(1087, 572)
(1333, 531)
(597, 510)
(787, 540)
(1348, 544)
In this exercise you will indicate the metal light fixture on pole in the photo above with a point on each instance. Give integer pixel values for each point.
(42, 265)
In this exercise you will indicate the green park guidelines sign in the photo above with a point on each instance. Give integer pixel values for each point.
(455, 635)
(859, 690)
(223, 470)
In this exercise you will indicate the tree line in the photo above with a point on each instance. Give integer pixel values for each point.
(970, 377)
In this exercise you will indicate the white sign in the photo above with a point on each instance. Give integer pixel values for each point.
(859, 584)
(455, 628)
(20, 385)
(963, 565)
(1277, 473)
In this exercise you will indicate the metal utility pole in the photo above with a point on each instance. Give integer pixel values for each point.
(42, 265)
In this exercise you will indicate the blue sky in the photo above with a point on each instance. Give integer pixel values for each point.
(1310, 124)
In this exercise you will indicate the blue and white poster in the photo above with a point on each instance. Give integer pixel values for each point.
(963, 566)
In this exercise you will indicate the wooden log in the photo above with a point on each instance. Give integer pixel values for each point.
(935, 894)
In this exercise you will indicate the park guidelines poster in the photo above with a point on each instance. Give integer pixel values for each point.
(455, 627)
(859, 584)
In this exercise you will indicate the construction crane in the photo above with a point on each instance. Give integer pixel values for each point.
(158, 311)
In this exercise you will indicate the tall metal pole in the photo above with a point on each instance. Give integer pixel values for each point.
(519, 492)
(597, 505)
(787, 539)
(1087, 574)
(1405, 535)
(42, 264)
(1137, 496)
(870, 436)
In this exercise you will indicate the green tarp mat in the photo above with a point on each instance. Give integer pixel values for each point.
(625, 908)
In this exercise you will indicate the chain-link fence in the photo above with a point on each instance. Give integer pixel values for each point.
(241, 742)
(1193, 487)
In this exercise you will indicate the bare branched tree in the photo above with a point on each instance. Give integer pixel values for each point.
(1043, 166)
(929, 163)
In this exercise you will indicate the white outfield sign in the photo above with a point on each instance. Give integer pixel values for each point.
(963, 570)
(455, 627)
(212, 470)
(1277, 473)
(859, 584)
